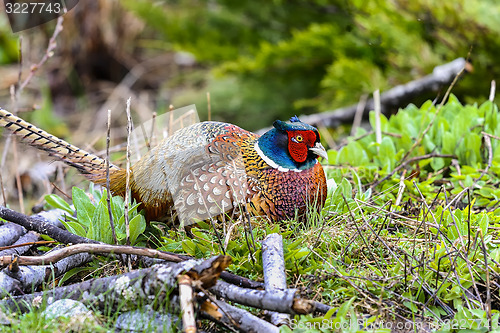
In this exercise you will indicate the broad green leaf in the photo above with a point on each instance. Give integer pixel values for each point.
(75, 228)
(58, 202)
(137, 227)
(100, 228)
(84, 207)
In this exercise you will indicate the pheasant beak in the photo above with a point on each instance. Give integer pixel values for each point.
(319, 150)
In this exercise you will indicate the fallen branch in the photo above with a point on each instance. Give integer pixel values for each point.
(130, 289)
(273, 263)
(27, 240)
(284, 301)
(59, 254)
(27, 278)
(10, 232)
(226, 276)
(234, 318)
(186, 302)
(42, 226)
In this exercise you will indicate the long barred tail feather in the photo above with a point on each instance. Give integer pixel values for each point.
(92, 166)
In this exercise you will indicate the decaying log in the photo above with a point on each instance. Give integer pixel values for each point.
(241, 281)
(41, 225)
(53, 216)
(322, 308)
(28, 238)
(226, 276)
(235, 318)
(274, 272)
(129, 289)
(27, 278)
(10, 232)
(284, 301)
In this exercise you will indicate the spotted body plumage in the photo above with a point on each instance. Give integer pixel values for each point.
(210, 170)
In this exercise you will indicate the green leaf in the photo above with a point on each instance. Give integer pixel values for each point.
(84, 207)
(100, 228)
(75, 228)
(58, 202)
(72, 272)
(437, 163)
(387, 152)
(137, 227)
(484, 223)
(189, 247)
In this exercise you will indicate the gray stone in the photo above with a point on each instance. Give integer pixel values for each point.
(146, 321)
(65, 308)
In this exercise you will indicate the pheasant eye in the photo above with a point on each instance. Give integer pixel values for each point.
(299, 138)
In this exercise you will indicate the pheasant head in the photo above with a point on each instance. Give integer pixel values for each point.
(291, 146)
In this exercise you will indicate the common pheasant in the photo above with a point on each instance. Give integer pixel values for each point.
(208, 170)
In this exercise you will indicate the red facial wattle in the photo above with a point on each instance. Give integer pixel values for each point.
(299, 143)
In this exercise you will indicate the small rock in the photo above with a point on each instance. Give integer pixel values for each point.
(80, 318)
(146, 321)
(65, 308)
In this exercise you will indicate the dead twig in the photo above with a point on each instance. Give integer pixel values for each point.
(409, 161)
(186, 302)
(273, 263)
(283, 301)
(108, 180)
(236, 319)
(57, 255)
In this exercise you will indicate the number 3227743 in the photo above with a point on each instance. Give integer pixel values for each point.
(33, 7)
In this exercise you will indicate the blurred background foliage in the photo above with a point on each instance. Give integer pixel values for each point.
(271, 59)
(263, 60)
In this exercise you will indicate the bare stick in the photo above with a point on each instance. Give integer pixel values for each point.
(48, 53)
(243, 321)
(55, 256)
(491, 135)
(10, 233)
(492, 90)
(273, 263)
(108, 186)
(488, 287)
(27, 240)
(16, 160)
(41, 226)
(401, 188)
(186, 301)
(284, 301)
(358, 115)
(127, 180)
(152, 138)
(411, 160)
(18, 178)
(4, 197)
